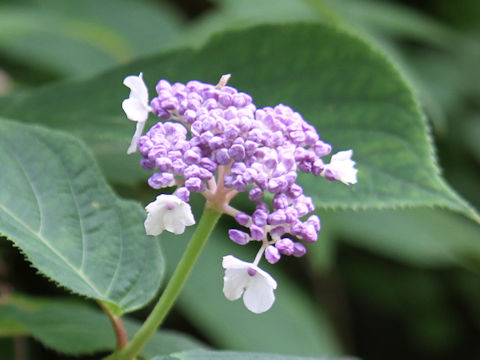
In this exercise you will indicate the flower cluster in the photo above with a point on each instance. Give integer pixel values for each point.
(213, 140)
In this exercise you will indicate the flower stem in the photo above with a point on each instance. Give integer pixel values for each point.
(167, 299)
(118, 326)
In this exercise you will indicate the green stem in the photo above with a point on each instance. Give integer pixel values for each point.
(204, 229)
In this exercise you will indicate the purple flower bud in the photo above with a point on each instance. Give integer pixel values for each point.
(147, 164)
(311, 137)
(238, 236)
(251, 271)
(210, 104)
(228, 180)
(196, 128)
(242, 218)
(195, 184)
(261, 180)
(208, 164)
(216, 143)
(330, 174)
(276, 185)
(225, 99)
(278, 231)
(160, 180)
(163, 163)
(255, 194)
(295, 191)
(309, 234)
(259, 217)
(231, 132)
(144, 145)
(257, 233)
(307, 200)
(291, 177)
(321, 148)
(301, 208)
(314, 221)
(299, 249)
(272, 254)
(278, 217)
(280, 201)
(241, 100)
(169, 104)
(157, 151)
(178, 167)
(276, 139)
(204, 174)
(206, 137)
(318, 167)
(238, 168)
(191, 171)
(270, 161)
(285, 246)
(305, 167)
(298, 137)
(230, 113)
(250, 147)
(191, 157)
(173, 155)
(291, 215)
(239, 184)
(237, 152)
(297, 228)
(249, 175)
(183, 194)
(222, 157)
(190, 116)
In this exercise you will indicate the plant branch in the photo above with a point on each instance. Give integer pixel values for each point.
(205, 227)
(118, 326)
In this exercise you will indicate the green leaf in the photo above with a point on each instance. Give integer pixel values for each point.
(231, 355)
(230, 325)
(84, 37)
(421, 237)
(56, 207)
(352, 94)
(74, 328)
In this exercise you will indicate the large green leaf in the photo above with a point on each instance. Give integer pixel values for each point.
(70, 37)
(352, 94)
(74, 328)
(56, 207)
(420, 237)
(231, 355)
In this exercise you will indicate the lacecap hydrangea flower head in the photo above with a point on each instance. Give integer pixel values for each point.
(213, 140)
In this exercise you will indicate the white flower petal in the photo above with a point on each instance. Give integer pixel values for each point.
(138, 132)
(174, 222)
(257, 290)
(135, 109)
(186, 210)
(231, 262)
(342, 164)
(138, 89)
(258, 296)
(169, 213)
(136, 106)
(234, 283)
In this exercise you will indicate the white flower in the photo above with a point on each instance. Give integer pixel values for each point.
(245, 278)
(343, 166)
(169, 213)
(136, 106)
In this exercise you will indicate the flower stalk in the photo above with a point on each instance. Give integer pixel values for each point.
(167, 299)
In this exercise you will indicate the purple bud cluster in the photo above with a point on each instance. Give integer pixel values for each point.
(260, 151)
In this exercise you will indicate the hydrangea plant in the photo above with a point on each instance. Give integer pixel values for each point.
(213, 140)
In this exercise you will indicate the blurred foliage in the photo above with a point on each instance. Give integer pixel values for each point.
(382, 284)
